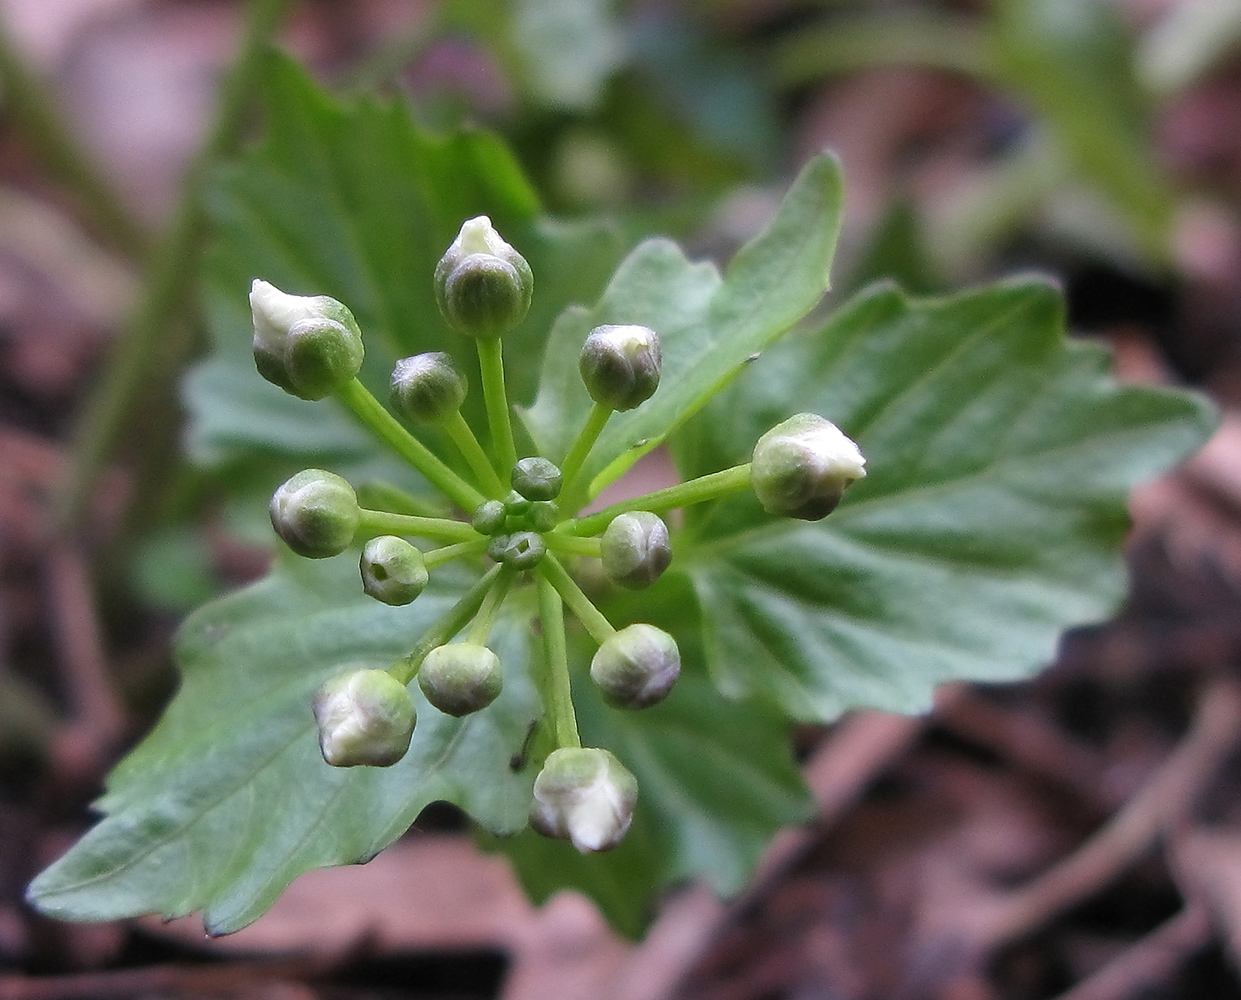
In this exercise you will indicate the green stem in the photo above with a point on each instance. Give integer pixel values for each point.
(382, 522)
(438, 557)
(459, 432)
(586, 439)
(389, 430)
(485, 620)
(491, 363)
(583, 609)
(157, 336)
(710, 487)
(458, 616)
(558, 697)
(573, 545)
(382, 495)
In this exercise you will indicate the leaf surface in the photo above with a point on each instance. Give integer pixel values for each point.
(708, 324)
(999, 455)
(228, 800)
(358, 202)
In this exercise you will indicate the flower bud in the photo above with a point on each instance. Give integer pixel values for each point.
(309, 345)
(366, 717)
(636, 667)
(586, 796)
(460, 678)
(489, 517)
(393, 570)
(316, 513)
(536, 478)
(544, 515)
(524, 550)
(801, 467)
(496, 547)
(483, 286)
(426, 388)
(635, 549)
(620, 365)
(516, 505)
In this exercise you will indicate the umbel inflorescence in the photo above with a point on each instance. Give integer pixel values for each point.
(311, 346)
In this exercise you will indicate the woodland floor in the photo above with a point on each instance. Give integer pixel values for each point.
(1075, 836)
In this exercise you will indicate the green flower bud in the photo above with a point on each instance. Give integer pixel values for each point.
(460, 678)
(393, 570)
(620, 365)
(497, 546)
(426, 388)
(635, 549)
(309, 345)
(586, 796)
(536, 479)
(366, 717)
(483, 286)
(544, 515)
(636, 667)
(516, 505)
(489, 518)
(801, 467)
(524, 550)
(316, 513)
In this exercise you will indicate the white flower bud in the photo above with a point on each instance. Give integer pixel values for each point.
(636, 667)
(366, 717)
(393, 570)
(309, 345)
(620, 365)
(635, 549)
(586, 796)
(801, 467)
(483, 286)
(316, 513)
(461, 677)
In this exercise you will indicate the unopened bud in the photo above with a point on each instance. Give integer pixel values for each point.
(544, 515)
(586, 796)
(523, 550)
(515, 505)
(801, 467)
(393, 570)
(636, 667)
(536, 478)
(366, 717)
(316, 513)
(635, 549)
(309, 345)
(427, 387)
(620, 365)
(460, 678)
(483, 286)
(489, 517)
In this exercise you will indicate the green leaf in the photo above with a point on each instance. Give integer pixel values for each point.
(1072, 60)
(708, 325)
(998, 456)
(357, 202)
(228, 800)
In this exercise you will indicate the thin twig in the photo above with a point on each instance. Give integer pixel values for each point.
(1154, 959)
(1165, 798)
(96, 711)
(861, 748)
(156, 980)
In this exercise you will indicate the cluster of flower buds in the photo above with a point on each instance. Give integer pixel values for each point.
(312, 347)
